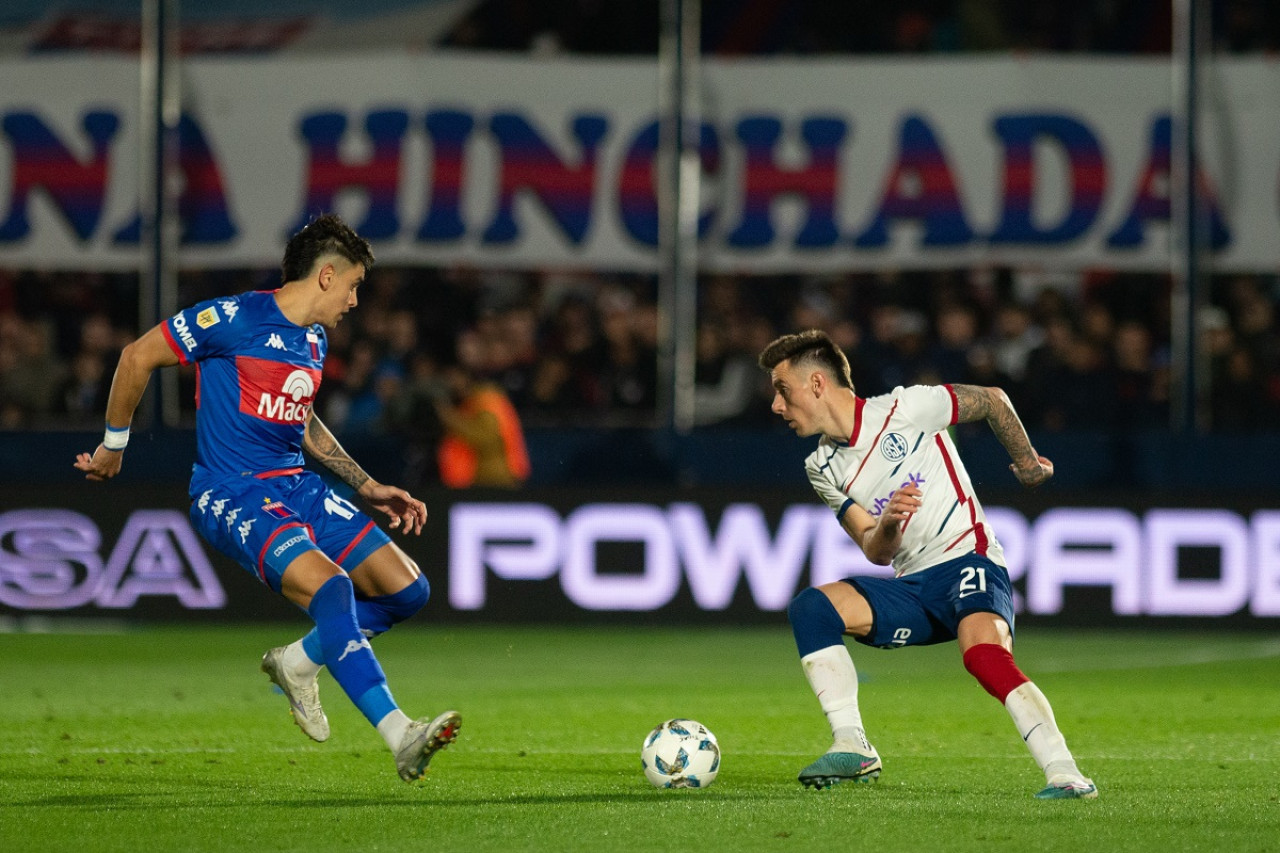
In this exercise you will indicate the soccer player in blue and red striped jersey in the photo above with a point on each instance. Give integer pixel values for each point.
(888, 469)
(259, 358)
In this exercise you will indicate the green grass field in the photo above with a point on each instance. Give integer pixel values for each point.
(170, 739)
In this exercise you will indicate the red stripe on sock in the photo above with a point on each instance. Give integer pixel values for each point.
(994, 668)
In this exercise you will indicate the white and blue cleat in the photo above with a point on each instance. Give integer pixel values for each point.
(424, 739)
(303, 696)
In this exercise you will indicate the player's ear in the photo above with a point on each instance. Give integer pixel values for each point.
(326, 275)
(817, 383)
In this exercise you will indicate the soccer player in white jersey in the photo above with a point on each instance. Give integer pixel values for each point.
(887, 467)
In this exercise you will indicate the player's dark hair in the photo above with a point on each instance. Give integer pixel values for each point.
(325, 235)
(812, 347)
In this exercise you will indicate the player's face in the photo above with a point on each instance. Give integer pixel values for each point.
(794, 400)
(341, 295)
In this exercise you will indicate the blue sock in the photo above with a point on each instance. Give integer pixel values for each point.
(347, 651)
(376, 615)
(815, 622)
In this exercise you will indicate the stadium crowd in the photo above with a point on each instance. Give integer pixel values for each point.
(772, 27)
(580, 348)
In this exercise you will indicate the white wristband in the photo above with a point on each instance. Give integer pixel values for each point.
(115, 438)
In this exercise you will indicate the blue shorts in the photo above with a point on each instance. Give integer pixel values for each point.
(264, 524)
(924, 608)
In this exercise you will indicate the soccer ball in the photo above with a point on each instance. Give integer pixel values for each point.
(680, 754)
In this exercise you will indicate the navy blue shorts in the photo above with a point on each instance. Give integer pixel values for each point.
(264, 524)
(925, 607)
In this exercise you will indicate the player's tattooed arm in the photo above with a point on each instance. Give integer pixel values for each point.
(320, 443)
(976, 403)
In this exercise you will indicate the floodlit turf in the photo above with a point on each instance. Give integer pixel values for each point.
(170, 739)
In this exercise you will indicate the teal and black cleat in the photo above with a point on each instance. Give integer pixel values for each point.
(835, 767)
(1077, 788)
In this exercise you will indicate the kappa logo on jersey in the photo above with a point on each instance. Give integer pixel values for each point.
(278, 509)
(229, 307)
(217, 507)
(894, 447)
(274, 342)
(276, 391)
(244, 528)
(353, 646)
(203, 503)
(232, 516)
(208, 317)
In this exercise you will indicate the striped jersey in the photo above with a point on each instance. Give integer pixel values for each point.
(257, 374)
(900, 439)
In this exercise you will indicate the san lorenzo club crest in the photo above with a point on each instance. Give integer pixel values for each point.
(894, 447)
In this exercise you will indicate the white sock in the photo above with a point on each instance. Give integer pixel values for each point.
(834, 681)
(392, 728)
(298, 663)
(1039, 731)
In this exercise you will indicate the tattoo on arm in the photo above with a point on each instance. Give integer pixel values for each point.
(320, 443)
(974, 403)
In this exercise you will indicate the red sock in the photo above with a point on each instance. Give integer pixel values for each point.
(993, 666)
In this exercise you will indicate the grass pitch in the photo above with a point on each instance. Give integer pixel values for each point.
(171, 739)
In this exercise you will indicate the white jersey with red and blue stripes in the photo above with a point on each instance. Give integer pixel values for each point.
(901, 439)
(257, 375)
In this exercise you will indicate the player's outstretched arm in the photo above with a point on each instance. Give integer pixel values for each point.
(404, 510)
(138, 361)
(976, 403)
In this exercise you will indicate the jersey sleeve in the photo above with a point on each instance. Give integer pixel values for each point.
(931, 407)
(819, 474)
(203, 330)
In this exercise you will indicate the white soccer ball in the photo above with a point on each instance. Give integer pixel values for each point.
(680, 754)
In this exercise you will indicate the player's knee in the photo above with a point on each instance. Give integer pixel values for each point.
(410, 600)
(814, 621)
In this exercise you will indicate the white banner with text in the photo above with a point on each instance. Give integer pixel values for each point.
(817, 165)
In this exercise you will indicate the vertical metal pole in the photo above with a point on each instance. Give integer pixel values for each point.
(1188, 398)
(158, 179)
(679, 172)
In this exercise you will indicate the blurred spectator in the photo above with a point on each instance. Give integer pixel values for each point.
(1014, 338)
(411, 418)
(956, 335)
(1074, 387)
(82, 396)
(1142, 390)
(725, 378)
(31, 373)
(630, 370)
(356, 404)
(1238, 399)
(483, 441)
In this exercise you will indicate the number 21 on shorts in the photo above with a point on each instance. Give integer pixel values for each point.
(972, 579)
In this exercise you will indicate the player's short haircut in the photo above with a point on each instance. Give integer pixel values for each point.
(812, 348)
(325, 235)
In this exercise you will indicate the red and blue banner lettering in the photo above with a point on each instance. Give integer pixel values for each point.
(818, 166)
